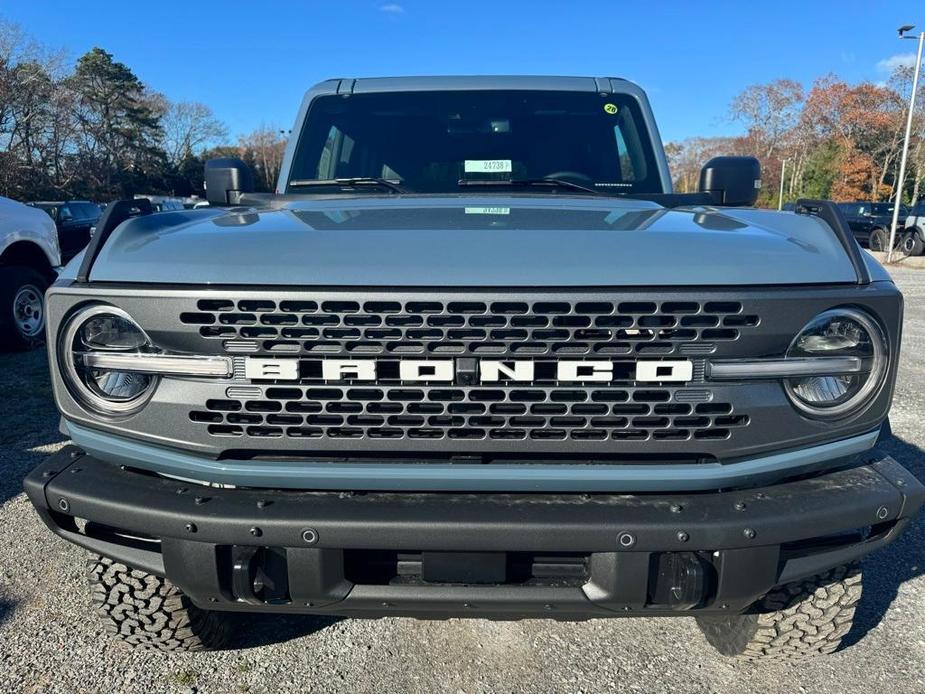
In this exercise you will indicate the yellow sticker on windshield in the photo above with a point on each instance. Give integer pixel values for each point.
(610, 108)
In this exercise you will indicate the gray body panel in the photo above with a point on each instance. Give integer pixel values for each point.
(485, 241)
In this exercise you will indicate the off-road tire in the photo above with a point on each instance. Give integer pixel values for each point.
(879, 240)
(147, 611)
(13, 279)
(794, 622)
(912, 243)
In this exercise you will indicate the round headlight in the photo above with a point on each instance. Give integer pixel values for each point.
(105, 329)
(840, 332)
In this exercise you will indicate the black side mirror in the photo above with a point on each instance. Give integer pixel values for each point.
(226, 180)
(731, 181)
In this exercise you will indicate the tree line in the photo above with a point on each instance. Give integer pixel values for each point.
(92, 129)
(840, 141)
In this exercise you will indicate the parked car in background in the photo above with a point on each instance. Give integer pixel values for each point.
(161, 203)
(29, 259)
(73, 219)
(913, 241)
(870, 222)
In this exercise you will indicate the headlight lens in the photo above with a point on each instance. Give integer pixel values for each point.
(105, 329)
(839, 333)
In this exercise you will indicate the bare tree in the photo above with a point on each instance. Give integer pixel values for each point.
(688, 156)
(769, 112)
(264, 147)
(189, 128)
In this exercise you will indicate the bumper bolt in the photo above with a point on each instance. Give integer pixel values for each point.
(262, 503)
(199, 500)
(213, 599)
(182, 490)
(626, 540)
(255, 531)
(75, 470)
(882, 512)
(190, 527)
(309, 536)
(749, 533)
(49, 473)
(676, 508)
(683, 536)
(740, 506)
(75, 454)
(64, 505)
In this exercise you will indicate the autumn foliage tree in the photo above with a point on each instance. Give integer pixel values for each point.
(839, 140)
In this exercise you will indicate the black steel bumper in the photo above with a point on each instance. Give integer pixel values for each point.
(486, 555)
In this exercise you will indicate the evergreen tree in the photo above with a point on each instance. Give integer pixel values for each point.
(118, 125)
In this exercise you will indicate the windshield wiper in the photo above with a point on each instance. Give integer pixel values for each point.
(528, 182)
(360, 181)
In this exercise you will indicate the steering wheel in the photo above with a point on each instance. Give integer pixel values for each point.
(572, 176)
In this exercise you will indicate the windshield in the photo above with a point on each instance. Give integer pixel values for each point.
(440, 142)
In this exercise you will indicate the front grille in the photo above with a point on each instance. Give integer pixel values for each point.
(465, 327)
(471, 414)
(467, 417)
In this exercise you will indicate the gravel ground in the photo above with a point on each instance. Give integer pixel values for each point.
(51, 642)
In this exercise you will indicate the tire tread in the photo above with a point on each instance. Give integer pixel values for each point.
(796, 621)
(149, 612)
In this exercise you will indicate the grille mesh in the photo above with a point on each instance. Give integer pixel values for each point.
(478, 328)
(476, 413)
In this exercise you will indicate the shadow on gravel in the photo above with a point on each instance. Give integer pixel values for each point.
(28, 417)
(256, 630)
(6, 609)
(897, 563)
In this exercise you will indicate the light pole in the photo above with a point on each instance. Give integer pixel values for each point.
(902, 162)
(780, 198)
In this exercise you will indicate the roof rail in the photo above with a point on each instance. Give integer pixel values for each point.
(116, 213)
(832, 215)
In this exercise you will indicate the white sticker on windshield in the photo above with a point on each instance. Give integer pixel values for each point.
(488, 210)
(487, 166)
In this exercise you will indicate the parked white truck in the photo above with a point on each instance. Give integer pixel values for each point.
(29, 258)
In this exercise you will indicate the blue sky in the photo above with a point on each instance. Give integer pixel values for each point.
(253, 61)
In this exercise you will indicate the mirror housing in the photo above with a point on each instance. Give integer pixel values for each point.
(731, 181)
(226, 180)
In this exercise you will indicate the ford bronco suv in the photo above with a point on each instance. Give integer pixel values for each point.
(475, 358)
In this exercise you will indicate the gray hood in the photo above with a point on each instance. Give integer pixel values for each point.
(489, 241)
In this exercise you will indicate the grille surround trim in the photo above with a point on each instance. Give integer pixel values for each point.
(400, 476)
(774, 426)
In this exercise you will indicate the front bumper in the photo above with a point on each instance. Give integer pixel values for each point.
(260, 550)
